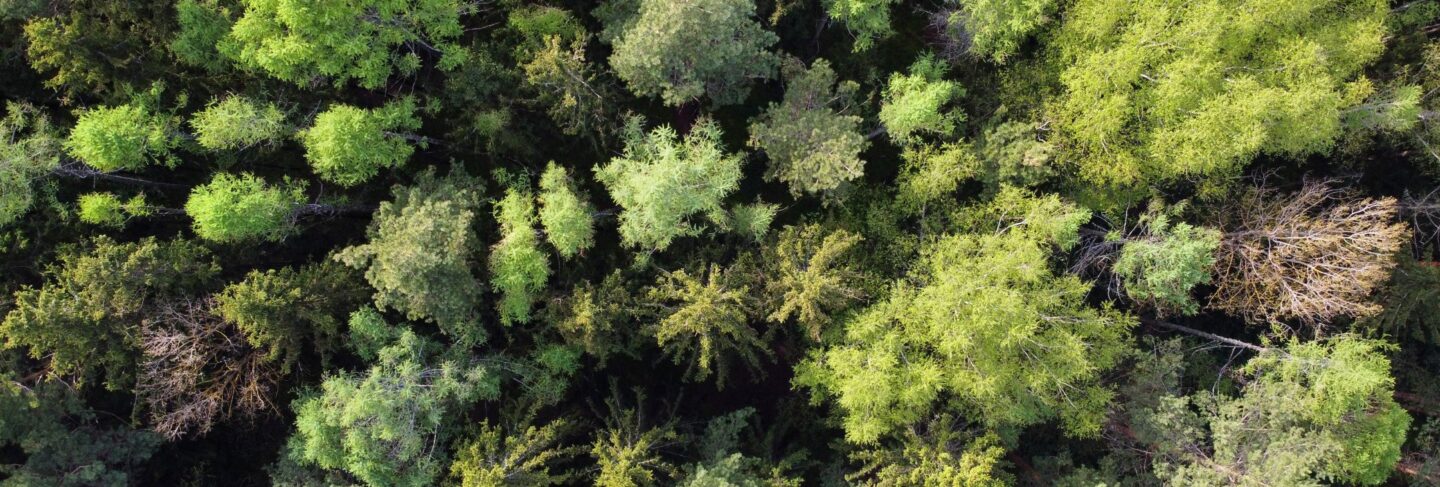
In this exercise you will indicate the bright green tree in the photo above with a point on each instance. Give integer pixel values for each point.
(917, 103)
(868, 20)
(234, 208)
(627, 449)
(279, 310)
(984, 320)
(388, 425)
(498, 457)
(238, 123)
(565, 213)
(29, 151)
(106, 209)
(433, 281)
(662, 182)
(997, 28)
(86, 317)
(812, 278)
(518, 266)
(682, 50)
(361, 40)
(1232, 81)
(349, 145)
(123, 138)
(811, 137)
(704, 323)
(939, 452)
(1164, 264)
(63, 442)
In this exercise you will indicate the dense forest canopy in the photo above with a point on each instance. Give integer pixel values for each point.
(720, 242)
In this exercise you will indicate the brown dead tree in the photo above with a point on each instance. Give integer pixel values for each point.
(1310, 256)
(197, 370)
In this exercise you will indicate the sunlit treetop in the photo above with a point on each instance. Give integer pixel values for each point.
(123, 138)
(339, 41)
(349, 145)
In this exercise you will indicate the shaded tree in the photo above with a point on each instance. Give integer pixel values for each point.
(64, 442)
(30, 149)
(497, 456)
(682, 50)
(867, 20)
(812, 139)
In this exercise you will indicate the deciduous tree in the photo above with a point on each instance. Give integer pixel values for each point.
(683, 50)
(238, 123)
(811, 137)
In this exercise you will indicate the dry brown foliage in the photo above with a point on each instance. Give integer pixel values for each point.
(1310, 256)
(197, 369)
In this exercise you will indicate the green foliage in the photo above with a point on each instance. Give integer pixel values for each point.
(1235, 80)
(495, 457)
(279, 310)
(1161, 267)
(1313, 412)
(536, 24)
(384, 426)
(203, 25)
(106, 209)
(86, 316)
(237, 123)
(915, 104)
(29, 151)
(1014, 153)
(984, 320)
(431, 282)
(868, 20)
(704, 323)
(63, 442)
(662, 182)
(1411, 302)
(998, 27)
(626, 451)
(939, 453)
(812, 139)
(576, 95)
(565, 213)
(123, 138)
(931, 173)
(518, 267)
(236, 208)
(361, 40)
(348, 145)
(751, 220)
(812, 277)
(683, 50)
(592, 317)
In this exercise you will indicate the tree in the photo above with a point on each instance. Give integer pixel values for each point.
(203, 26)
(812, 278)
(433, 281)
(123, 138)
(1312, 412)
(996, 28)
(703, 323)
(683, 50)
(938, 452)
(518, 267)
(812, 139)
(750, 220)
(29, 150)
(361, 40)
(577, 96)
(87, 315)
(1161, 267)
(662, 182)
(565, 213)
(386, 426)
(868, 20)
(279, 310)
(593, 317)
(237, 123)
(1235, 81)
(1311, 256)
(106, 209)
(498, 456)
(914, 104)
(981, 319)
(63, 442)
(626, 451)
(234, 208)
(196, 369)
(348, 145)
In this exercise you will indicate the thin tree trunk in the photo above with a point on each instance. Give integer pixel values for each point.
(1211, 336)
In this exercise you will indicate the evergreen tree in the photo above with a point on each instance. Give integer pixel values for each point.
(518, 267)
(237, 123)
(123, 138)
(564, 213)
(683, 50)
(232, 208)
(348, 145)
(813, 142)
